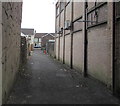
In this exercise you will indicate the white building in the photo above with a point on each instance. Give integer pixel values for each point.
(29, 34)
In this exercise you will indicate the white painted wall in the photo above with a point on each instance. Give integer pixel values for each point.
(32, 39)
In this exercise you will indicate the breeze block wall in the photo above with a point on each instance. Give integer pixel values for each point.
(100, 42)
(88, 45)
(11, 31)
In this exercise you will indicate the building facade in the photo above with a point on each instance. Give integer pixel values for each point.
(30, 34)
(46, 38)
(42, 38)
(85, 39)
(0, 54)
(38, 39)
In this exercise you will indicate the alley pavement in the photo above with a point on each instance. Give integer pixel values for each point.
(44, 80)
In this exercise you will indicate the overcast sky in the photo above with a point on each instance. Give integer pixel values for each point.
(40, 15)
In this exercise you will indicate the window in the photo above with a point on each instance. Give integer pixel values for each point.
(36, 40)
(39, 39)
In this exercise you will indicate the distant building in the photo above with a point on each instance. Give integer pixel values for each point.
(41, 39)
(29, 34)
(37, 39)
(46, 38)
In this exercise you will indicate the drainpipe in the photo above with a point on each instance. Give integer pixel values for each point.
(113, 62)
(85, 40)
(59, 34)
(64, 37)
(71, 33)
(55, 29)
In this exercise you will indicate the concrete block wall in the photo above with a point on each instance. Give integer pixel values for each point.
(61, 48)
(99, 53)
(94, 44)
(77, 10)
(11, 32)
(61, 37)
(78, 37)
(67, 49)
(68, 15)
(78, 51)
(56, 49)
(99, 46)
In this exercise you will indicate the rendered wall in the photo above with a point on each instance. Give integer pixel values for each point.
(56, 45)
(67, 49)
(100, 44)
(11, 32)
(99, 53)
(0, 54)
(78, 37)
(77, 10)
(91, 50)
(68, 15)
(61, 48)
(78, 51)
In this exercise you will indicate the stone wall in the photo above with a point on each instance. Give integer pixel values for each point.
(11, 32)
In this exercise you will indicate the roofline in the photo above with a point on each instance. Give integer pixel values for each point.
(28, 28)
(48, 34)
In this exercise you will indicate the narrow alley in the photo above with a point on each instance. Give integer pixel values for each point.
(44, 80)
(59, 52)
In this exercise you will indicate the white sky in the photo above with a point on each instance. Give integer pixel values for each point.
(40, 15)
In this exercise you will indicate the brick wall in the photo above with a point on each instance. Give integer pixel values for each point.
(11, 31)
(45, 39)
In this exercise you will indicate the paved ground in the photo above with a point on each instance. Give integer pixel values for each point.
(46, 81)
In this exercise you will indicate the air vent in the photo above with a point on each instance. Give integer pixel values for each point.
(67, 25)
(59, 30)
